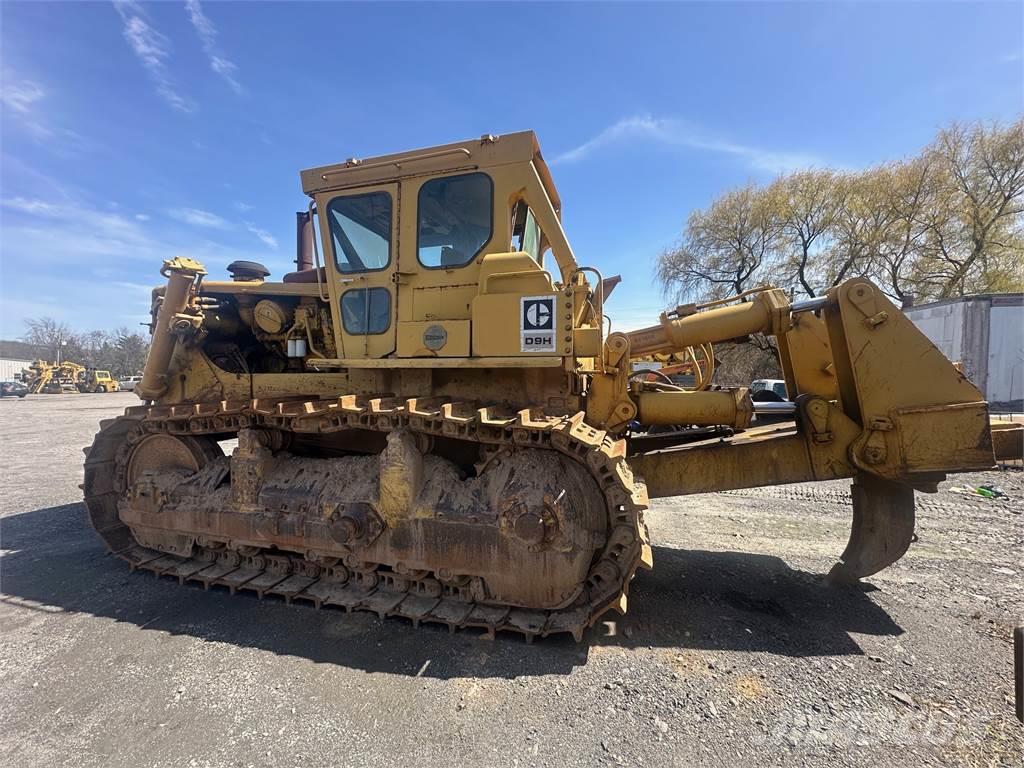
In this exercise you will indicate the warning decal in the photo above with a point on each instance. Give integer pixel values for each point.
(537, 324)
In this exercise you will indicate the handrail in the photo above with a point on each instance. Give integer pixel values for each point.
(357, 165)
(316, 256)
(598, 291)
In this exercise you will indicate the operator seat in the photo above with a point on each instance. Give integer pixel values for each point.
(452, 257)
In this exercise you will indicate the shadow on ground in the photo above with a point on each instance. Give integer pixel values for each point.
(692, 599)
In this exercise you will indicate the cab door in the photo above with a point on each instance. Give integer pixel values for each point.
(456, 220)
(359, 230)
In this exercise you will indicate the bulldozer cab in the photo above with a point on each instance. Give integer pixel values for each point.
(430, 253)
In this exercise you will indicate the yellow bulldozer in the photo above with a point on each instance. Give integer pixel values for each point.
(440, 422)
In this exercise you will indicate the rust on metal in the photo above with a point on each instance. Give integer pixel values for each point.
(544, 540)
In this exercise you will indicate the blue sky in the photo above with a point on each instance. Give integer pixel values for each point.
(133, 132)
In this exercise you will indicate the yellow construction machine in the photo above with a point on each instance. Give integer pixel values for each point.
(93, 380)
(53, 378)
(435, 422)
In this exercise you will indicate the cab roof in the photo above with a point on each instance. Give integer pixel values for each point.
(472, 154)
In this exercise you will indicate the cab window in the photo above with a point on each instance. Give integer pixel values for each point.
(454, 219)
(361, 231)
(366, 310)
(526, 235)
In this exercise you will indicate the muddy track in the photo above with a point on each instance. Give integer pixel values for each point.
(378, 588)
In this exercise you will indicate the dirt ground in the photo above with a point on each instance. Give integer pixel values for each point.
(733, 653)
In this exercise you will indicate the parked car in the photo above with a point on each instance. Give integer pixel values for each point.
(127, 384)
(12, 389)
(771, 399)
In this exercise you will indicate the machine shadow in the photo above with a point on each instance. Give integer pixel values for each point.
(692, 600)
(744, 602)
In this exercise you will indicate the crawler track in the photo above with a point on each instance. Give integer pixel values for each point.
(380, 590)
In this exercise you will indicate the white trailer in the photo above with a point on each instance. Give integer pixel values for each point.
(985, 334)
(10, 369)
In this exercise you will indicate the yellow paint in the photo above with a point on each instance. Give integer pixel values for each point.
(461, 332)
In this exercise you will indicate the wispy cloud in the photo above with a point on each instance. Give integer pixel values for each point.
(1012, 56)
(197, 217)
(207, 32)
(21, 95)
(23, 102)
(142, 216)
(243, 207)
(677, 133)
(19, 174)
(267, 238)
(153, 50)
(70, 230)
(77, 259)
(30, 206)
(142, 291)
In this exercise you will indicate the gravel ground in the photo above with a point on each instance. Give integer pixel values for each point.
(734, 652)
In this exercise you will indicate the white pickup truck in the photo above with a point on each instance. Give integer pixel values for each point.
(770, 398)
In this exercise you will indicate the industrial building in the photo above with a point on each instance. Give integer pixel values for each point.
(9, 368)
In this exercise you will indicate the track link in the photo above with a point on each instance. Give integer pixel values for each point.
(380, 590)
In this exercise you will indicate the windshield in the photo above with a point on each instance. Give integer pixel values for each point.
(361, 231)
(455, 219)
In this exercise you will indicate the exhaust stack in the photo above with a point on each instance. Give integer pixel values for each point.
(303, 241)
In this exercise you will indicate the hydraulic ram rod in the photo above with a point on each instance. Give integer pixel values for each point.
(767, 312)
(730, 408)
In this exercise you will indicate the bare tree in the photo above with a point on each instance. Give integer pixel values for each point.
(725, 250)
(805, 205)
(93, 343)
(122, 352)
(947, 222)
(740, 364)
(860, 224)
(55, 337)
(977, 229)
(906, 196)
